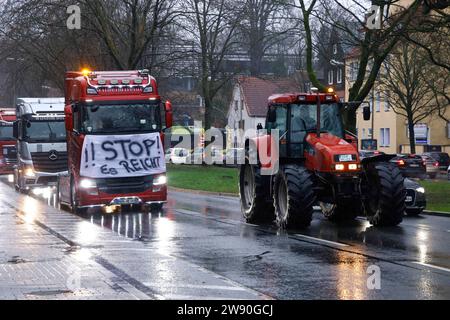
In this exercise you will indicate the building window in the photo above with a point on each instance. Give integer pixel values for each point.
(377, 101)
(334, 48)
(385, 137)
(339, 76)
(354, 66)
(370, 130)
(363, 133)
(330, 77)
(387, 102)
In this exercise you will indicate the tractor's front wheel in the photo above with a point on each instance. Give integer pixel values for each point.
(294, 197)
(254, 191)
(385, 201)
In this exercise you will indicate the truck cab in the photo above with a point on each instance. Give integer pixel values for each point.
(8, 150)
(115, 123)
(41, 143)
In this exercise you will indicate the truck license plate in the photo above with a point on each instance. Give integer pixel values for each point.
(409, 199)
(122, 201)
(414, 165)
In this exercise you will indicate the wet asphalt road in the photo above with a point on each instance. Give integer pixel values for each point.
(326, 261)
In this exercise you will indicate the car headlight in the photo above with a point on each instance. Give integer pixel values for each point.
(160, 180)
(29, 172)
(88, 184)
(421, 190)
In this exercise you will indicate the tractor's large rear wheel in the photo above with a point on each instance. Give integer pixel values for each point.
(345, 211)
(294, 197)
(254, 191)
(385, 201)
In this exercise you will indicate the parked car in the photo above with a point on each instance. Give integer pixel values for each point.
(448, 172)
(432, 166)
(178, 156)
(410, 165)
(442, 157)
(415, 198)
(369, 153)
(235, 156)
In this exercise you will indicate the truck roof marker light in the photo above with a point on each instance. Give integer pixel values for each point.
(114, 82)
(125, 81)
(330, 90)
(302, 98)
(329, 98)
(138, 81)
(102, 82)
(86, 72)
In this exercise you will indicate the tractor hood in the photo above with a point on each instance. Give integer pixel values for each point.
(323, 152)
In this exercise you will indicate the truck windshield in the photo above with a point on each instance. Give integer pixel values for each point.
(121, 118)
(6, 132)
(45, 131)
(304, 118)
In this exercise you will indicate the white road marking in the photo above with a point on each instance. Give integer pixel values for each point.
(431, 266)
(197, 286)
(322, 240)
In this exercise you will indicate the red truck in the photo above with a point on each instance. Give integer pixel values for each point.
(8, 151)
(115, 123)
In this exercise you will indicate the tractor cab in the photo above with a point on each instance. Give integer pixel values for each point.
(299, 117)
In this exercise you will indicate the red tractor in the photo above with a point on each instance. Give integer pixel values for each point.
(318, 164)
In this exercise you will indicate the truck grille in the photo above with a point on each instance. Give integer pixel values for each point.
(125, 185)
(10, 154)
(46, 162)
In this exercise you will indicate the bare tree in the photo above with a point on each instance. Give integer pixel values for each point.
(407, 79)
(212, 24)
(373, 45)
(264, 24)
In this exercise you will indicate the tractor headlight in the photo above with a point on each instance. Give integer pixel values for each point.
(420, 189)
(160, 180)
(339, 167)
(88, 184)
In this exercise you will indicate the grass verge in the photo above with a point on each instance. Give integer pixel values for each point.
(204, 178)
(438, 195)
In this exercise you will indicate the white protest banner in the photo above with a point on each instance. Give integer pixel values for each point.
(116, 156)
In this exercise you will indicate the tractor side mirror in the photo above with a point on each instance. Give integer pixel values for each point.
(16, 129)
(272, 116)
(69, 118)
(169, 114)
(366, 113)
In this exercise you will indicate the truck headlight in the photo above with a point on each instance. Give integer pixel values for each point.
(29, 172)
(421, 190)
(87, 184)
(160, 180)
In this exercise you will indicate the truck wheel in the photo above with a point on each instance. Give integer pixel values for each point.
(254, 192)
(385, 201)
(294, 197)
(73, 202)
(341, 212)
(156, 207)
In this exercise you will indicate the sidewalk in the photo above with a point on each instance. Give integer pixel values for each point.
(50, 254)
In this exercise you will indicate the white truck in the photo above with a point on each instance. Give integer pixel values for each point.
(41, 143)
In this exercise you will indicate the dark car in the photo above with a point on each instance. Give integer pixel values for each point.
(441, 157)
(369, 153)
(410, 165)
(415, 198)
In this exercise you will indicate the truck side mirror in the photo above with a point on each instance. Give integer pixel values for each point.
(16, 129)
(259, 126)
(366, 113)
(69, 118)
(169, 114)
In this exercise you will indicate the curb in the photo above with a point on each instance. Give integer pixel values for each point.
(201, 192)
(437, 213)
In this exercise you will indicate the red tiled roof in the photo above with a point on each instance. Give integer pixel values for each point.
(256, 92)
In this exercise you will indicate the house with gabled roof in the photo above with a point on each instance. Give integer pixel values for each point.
(248, 105)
